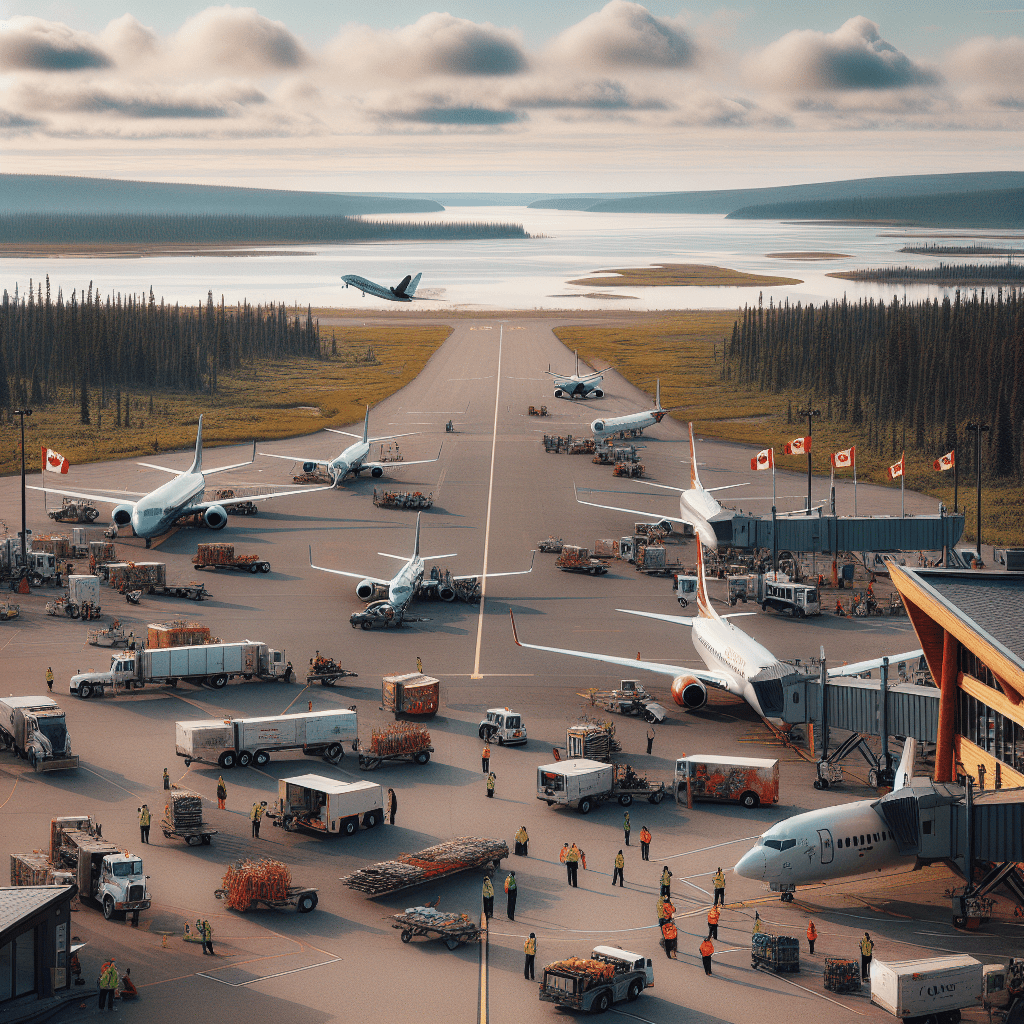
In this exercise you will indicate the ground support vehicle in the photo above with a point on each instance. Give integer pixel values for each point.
(211, 664)
(628, 469)
(799, 599)
(326, 672)
(685, 589)
(321, 806)
(614, 455)
(577, 559)
(9, 610)
(452, 929)
(402, 499)
(378, 614)
(245, 741)
(441, 861)
(193, 590)
(248, 885)
(410, 694)
(81, 600)
(222, 556)
(653, 560)
(610, 975)
(113, 636)
(242, 508)
(303, 899)
(74, 511)
(592, 740)
(934, 989)
(36, 729)
(183, 819)
(541, 410)
(749, 781)
(402, 741)
(777, 953)
(550, 546)
(556, 444)
(504, 727)
(586, 784)
(630, 699)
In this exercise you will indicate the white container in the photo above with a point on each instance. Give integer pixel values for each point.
(919, 988)
(568, 782)
(338, 806)
(84, 588)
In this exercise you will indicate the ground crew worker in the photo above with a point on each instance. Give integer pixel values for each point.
(129, 991)
(522, 842)
(207, 939)
(626, 827)
(707, 951)
(144, 819)
(49, 679)
(812, 934)
(222, 792)
(562, 855)
(666, 882)
(757, 929)
(665, 910)
(310, 705)
(512, 891)
(839, 607)
(530, 948)
(255, 816)
(713, 915)
(485, 758)
(392, 806)
(488, 896)
(167, 779)
(583, 859)
(108, 984)
(572, 863)
(620, 863)
(419, 665)
(866, 948)
(650, 739)
(491, 779)
(645, 843)
(719, 883)
(671, 934)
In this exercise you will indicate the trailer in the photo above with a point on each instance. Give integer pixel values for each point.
(750, 781)
(410, 694)
(222, 556)
(653, 560)
(931, 989)
(403, 741)
(194, 590)
(629, 699)
(241, 508)
(248, 885)
(326, 671)
(576, 559)
(321, 806)
(453, 930)
(183, 819)
(779, 954)
(113, 636)
(535, 410)
(82, 599)
(36, 729)
(403, 499)
(301, 897)
(585, 784)
(74, 511)
(551, 546)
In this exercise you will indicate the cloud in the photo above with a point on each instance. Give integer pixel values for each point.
(990, 61)
(15, 122)
(854, 57)
(128, 40)
(604, 94)
(31, 44)
(625, 36)
(238, 39)
(471, 116)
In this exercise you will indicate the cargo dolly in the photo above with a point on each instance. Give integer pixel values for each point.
(777, 953)
(453, 930)
(303, 899)
(370, 762)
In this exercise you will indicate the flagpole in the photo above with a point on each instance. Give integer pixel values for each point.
(903, 489)
(775, 542)
(956, 481)
(855, 482)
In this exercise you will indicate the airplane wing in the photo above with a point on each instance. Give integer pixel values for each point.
(202, 506)
(640, 512)
(489, 575)
(102, 498)
(295, 458)
(667, 487)
(341, 572)
(370, 440)
(237, 465)
(163, 469)
(401, 465)
(864, 666)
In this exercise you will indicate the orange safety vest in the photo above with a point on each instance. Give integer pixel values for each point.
(645, 836)
(713, 915)
(812, 932)
(487, 752)
(562, 853)
(667, 909)
(706, 948)
(669, 930)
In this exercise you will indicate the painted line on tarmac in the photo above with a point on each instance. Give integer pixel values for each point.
(717, 846)
(13, 788)
(105, 779)
(482, 1015)
(811, 992)
(268, 977)
(633, 1015)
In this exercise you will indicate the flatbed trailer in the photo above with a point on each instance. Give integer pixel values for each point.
(300, 897)
(330, 678)
(453, 930)
(193, 590)
(113, 636)
(199, 836)
(370, 762)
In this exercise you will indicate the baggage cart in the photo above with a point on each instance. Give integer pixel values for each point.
(403, 741)
(777, 953)
(842, 975)
(300, 897)
(453, 930)
(183, 819)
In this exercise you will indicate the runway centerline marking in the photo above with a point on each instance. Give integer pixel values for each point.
(487, 526)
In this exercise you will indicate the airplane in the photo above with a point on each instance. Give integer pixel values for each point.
(735, 661)
(577, 385)
(832, 842)
(697, 507)
(393, 595)
(632, 424)
(156, 512)
(404, 291)
(352, 459)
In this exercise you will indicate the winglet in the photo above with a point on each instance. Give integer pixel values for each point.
(657, 400)
(311, 565)
(411, 290)
(416, 542)
(366, 426)
(515, 635)
(694, 478)
(197, 463)
(905, 771)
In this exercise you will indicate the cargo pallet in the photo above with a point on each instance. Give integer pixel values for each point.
(304, 900)
(777, 953)
(453, 930)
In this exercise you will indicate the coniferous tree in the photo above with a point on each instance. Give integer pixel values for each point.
(1001, 451)
(83, 415)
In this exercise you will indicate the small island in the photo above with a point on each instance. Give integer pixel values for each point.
(946, 275)
(681, 275)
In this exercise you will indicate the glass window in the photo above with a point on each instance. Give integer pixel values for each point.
(854, 840)
(25, 963)
(6, 958)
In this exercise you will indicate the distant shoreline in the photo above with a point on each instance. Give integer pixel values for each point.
(141, 250)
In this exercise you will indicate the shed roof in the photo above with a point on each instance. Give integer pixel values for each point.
(20, 902)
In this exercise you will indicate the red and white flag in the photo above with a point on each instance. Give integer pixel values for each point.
(895, 472)
(798, 446)
(846, 459)
(944, 462)
(764, 460)
(54, 462)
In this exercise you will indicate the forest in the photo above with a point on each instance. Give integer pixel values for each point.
(949, 274)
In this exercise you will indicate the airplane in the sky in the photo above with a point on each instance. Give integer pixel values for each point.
(156, 512)
(631, 425)
(735, 661)
(577, 385)
(390, 598)
(404, 291)
(832, 842)
(353, 459)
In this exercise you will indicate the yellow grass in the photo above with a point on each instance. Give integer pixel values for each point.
(676, 275)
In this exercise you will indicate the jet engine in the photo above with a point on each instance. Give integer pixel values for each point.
(558, 392)
(377, 471)
(597, 393)
(446, 592)
(597, 426)
(122, 515)
(215, 517)
(689, 692)
(367, 590)
(310, 467)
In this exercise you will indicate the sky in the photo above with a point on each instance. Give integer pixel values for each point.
(554, 96)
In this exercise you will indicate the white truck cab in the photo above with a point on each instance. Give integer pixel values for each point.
(504, 727)
(611, 975)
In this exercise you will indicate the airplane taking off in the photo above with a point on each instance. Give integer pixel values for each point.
(404, 291)
(577, 385)
(697, 507)
(632, 424)
(393, 595)
(833, 842)
(353, 459)
(735, 661)
(156, 512)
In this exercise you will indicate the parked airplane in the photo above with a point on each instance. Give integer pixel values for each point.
(156, 512)
(631, 425)
(735, 661)
(697, 507)
(833, 842)
(402, 292)
(353, 458)
(577, 385)
(407, 583)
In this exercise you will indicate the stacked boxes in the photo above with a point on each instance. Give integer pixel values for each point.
(177, 634)
(30, 868)
(779, 953)
(842, 975)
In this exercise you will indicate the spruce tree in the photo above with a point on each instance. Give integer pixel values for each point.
(1001, 452)
(84, 416)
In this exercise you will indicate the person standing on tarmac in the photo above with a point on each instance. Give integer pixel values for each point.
(167, 779)
(488, 896)
(491, 780)
(207, 939)
(645, 843)
(392, 806)
(671, 935)
(707, 951)
(620, 863)
(758, 928)
(866, 949)
(572, 863)
(144, 820)
(719, 883)
(49, 679)
(530, 949)
(650, 739)
(108, 984)
(485, 759)
(255, 816)
(512, 891)
(713, 916)
(563, 856)
(522, 842)
(812, 935)
(665, 910)
(666, 882)
(222, 793)
(626, 827)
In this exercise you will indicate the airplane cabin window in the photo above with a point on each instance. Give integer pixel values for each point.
(854, 840)
(876, 837)
(862, 843)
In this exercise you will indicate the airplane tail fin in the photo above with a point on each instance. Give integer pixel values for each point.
(704, 609)
(411, 290)
(399, 288)
(657, 400)
(695, 484)
(905, 772)
(366, 426)
(197, 463)
(416, 542)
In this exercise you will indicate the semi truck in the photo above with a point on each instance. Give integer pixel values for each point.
(322, 806)
(35, 727)
(245, 741)
(750, 781)
(934, 989)
(209, 664)
(610, 975)
(585, 784)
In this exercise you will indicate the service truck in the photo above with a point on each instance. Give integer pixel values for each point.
(211, 664)
(36, 729)
(750, 781)
(503, 726)
(245, 741)
(610, 975)
(585, 784)
(935, 989)
(324, 806)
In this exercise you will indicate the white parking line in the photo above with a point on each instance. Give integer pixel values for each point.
(264, 977)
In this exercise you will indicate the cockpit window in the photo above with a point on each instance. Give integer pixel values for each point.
(788, 844)
(773, 844)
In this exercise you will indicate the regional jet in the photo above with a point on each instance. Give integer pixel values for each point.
(388, 599)
(577, 385)
(156, 512)
(832, 842)
(631, 425)
(353, 459)
(402, 292)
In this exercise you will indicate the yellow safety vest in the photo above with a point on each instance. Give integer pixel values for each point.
(866, 946)
(488, 889)
(619, 861)
(530, 947)
(572, 857)
(49, 675)
(757, 928)
(144, 817)
(490, 782)
(666, 877)
(522, 837)
(719, 880)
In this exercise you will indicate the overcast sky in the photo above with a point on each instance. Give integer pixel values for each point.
(559, 96)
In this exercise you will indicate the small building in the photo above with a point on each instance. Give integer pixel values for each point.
(34, 943)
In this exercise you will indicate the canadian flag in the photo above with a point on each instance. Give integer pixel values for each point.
(799, 446)
(844, 460)
(944, 462)
(764, 460)
(895, 472)
(54, 462)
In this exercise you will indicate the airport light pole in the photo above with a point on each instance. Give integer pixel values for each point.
(978, 429)
(24, 534)
(810, 413)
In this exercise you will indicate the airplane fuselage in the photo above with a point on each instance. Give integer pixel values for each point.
(369, 287)
(617, 424)
(349, 461)
(403, 586)
(571, 387)
(155, 513)
(698, 507)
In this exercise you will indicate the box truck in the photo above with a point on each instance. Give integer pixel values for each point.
(610, 975)
(585, 784)
(325, 806)
(750, 781)
(36, 729)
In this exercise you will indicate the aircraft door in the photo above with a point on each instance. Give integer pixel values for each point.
(825, 837)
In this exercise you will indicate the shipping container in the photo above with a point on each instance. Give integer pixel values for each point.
(916, 989)
(325, 806)
(410, 694)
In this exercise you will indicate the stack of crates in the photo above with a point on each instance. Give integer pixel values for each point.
(57, 544)
(30, 868)
(779, 953)
(177, 634)
(842, 975)
(137, 575)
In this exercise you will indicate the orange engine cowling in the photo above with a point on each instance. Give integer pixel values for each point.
(689, 692)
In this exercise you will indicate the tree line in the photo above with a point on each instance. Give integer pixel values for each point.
(944, 273)
(908, 373)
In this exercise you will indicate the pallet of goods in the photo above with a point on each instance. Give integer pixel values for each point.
(248, 881)
(842, 975)
(30, 868)
(178, 633)
(400, 738)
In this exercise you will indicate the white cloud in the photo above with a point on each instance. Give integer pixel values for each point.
(31, 44)
(237, 39)
(129, 41)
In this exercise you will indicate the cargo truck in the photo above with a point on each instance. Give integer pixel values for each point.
(750, 781)
(585, 784)
(211, 664)
(935, 989)
(410, 694)
(36, 729)
(245, 741)
(312, 803)
(610, 975)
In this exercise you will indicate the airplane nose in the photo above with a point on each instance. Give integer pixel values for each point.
(752, 864)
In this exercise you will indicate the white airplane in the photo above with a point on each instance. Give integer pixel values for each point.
(407, 583)
(696, 505)
(735, 661)
(402, 292)
(577, 385)
(632, 424)
(833, 842)
(156, 512)
(353, 458)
